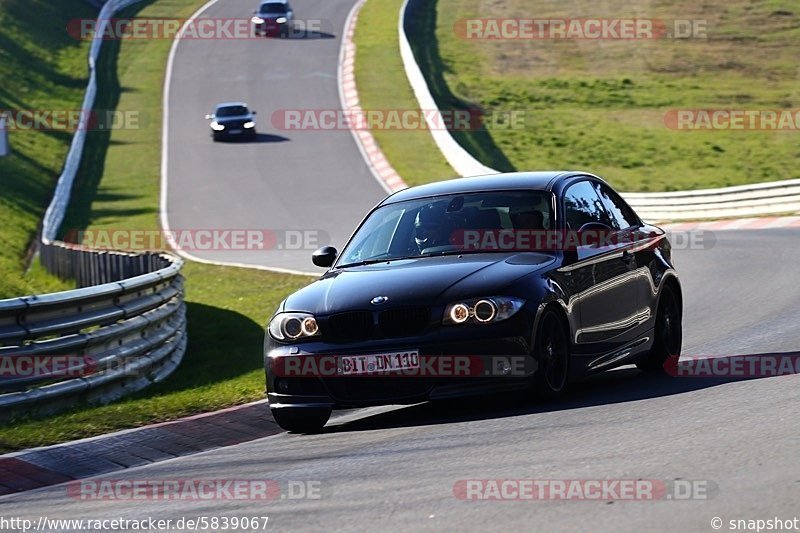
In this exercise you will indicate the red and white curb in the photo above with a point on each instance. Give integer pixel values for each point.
(737, 224)
(373, 155)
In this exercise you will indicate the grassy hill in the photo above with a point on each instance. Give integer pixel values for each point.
(598, 105)
(41, 68)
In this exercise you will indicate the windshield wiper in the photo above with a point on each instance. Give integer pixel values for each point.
(380, 258)
(362, 263)
(460, 252)
(376, 259)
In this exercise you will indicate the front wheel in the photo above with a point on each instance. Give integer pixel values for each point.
(551, 377)
(301, 420)
(668, 333)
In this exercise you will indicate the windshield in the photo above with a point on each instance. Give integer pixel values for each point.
(447, 224)
(276, 8)
(231, 111)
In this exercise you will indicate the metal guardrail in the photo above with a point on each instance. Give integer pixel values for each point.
(739, 201)
(121, 330)
(460, 159)
(108, 339)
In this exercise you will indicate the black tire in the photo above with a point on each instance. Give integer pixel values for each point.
(668, 335)
(301, 420)
(552, 351)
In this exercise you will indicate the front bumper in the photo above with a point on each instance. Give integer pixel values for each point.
(228, 133)
(270, 27)
(490, 346)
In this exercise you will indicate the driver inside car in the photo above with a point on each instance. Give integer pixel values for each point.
(431, 227)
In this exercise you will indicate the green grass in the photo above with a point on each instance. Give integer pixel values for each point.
(599, 105)
(118, 186)
(382, 84)
(41, 68)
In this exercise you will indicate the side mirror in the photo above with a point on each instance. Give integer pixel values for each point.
(254, 112)
(324, 257)
(209, 117)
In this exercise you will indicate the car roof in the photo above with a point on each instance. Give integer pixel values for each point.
(273, 2)
(231, 104)
(541, 180)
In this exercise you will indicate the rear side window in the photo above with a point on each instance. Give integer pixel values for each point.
(622, 216)
(583, 205)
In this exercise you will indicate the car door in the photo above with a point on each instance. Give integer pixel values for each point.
(627, 226)
(608, 300)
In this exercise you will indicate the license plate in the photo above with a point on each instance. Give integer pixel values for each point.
(353, 365)
(234, 132)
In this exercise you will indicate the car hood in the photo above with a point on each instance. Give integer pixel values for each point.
(423, 281)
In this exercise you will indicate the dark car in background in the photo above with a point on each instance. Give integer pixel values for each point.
(232, 120)
(273, 17)
(553, 269)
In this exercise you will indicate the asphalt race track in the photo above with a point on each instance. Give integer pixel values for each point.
(394, 468)
(313, 181)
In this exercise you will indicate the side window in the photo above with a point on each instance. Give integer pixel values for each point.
(622, 215)
(583, 205)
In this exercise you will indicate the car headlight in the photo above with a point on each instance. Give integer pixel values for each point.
(292, 326)
(249, 124)
(257, 20)
(280, 20)
(481, 310)
(216, 126)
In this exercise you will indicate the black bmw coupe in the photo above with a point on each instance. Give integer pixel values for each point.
(473, 286)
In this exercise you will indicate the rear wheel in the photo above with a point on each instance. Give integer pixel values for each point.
(551, 377)
(668, 332)
(301, 420)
